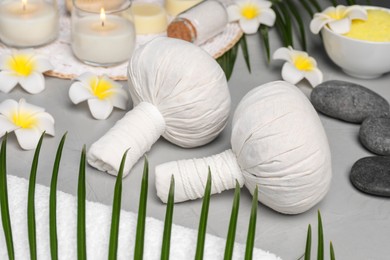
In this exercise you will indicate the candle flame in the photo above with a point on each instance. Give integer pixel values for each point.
(24, 3)
(102, 15)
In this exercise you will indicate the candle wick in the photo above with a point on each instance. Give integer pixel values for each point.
(102, 23)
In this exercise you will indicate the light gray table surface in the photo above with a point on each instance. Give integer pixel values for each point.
(356, 223)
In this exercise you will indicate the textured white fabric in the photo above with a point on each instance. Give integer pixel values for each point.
(280, 145)
(191, 176)
(137, 131)
(186, 84)
(98, 219)
(68, 66)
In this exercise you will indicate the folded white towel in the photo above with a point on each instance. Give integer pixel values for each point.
(183, 240)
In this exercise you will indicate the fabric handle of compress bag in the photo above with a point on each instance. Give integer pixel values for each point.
(136, 132)
(191, 176)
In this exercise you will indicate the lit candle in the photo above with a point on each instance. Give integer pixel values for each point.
(106, 41)
(28, 23)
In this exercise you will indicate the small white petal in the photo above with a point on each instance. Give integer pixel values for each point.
(249, 26)
(267, 17)
(340, 26)
(28, 138)
(46, 123)
(78, 92)
(7, 81)
(282, 53)
(42, 64)
(291, 74)
(34, 83)
(263, 4)
(8, 107)
(233, 13)
(6, 125)
(100, 109)
(4, 61)
(317, 23)
(314, 77)
(119, 98)
(86, 77)
(356, 12)
(33, 109)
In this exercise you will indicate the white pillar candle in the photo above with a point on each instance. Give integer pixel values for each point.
(28, 23)
(106, 41)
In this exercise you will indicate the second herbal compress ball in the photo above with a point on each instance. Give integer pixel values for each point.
(278, 144)
(179, 91)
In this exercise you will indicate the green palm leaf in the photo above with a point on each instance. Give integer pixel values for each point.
(233, 224)
(264, 36)
(227, 61)
(168, 221)
(32, 237)
(316, 5)
(250, 241)
(332, 255)
(116, 214)
(81, 234)
(287, 23)
(244, 48)
(53, 202)
(5, 218)
(203, 220)
(351, 2)
(298, 19)
(308, 244)
(307, 7)
(320, 249)
(280, 26)
(140, 235)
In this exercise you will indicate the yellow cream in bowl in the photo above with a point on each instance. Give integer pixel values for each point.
(375, 29)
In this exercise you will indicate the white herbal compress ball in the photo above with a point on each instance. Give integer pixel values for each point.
(278, 143)
(179, 91)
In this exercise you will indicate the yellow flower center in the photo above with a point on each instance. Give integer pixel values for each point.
(24, 119)
(250, 11)
(303, 63)
(101, 88)
(21, 64)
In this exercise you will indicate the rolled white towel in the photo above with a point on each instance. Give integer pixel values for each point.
(98, 220)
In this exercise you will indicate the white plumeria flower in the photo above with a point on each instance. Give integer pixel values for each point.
(26, 120)
(251, 13)
(337, 18)
(102, 93)
(299, 65)
(24, 67)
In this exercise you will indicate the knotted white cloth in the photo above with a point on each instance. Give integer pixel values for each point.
(278, 143)
(184, 97)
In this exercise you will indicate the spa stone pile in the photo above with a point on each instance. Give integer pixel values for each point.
(356, 104)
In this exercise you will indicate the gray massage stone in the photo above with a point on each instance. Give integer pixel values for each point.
(374, 134)
(348, 101)
(372, 175)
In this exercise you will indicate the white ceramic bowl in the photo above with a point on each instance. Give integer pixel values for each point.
(358, 58)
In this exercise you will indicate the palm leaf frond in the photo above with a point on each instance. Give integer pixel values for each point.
(250, 241)
(140, 235)
(232, 224)
(294, 11)
(244, 48)
(53, 201)
(81, 235)
(332, 255)
(203, 220)
(308, 244)
(265, 37)
(32, 236)
(287, 23)
(227, 61)
(168, 221)
(316, 5)
(116, 212)
(320, 248)
(307, 7)
(5, 217)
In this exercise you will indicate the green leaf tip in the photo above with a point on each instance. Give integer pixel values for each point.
(168, 221)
